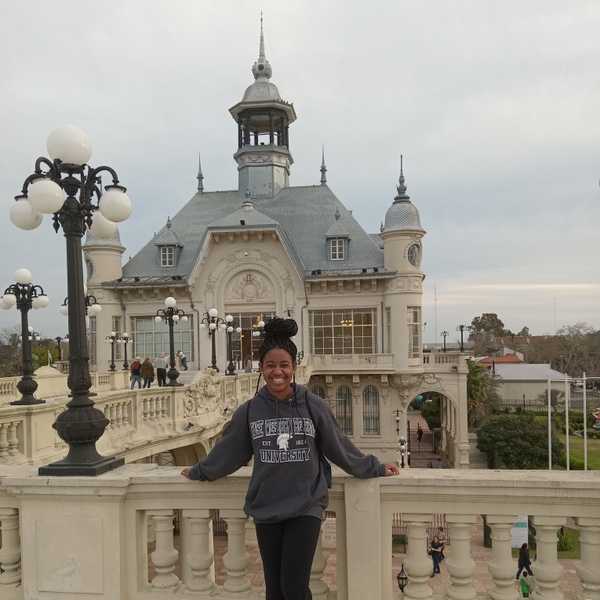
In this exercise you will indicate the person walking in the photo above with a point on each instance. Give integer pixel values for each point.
(419, 434)
(147, 370)
(524, 562)
(136, 372)
(436, 549)
(291, 433)
(162, 364)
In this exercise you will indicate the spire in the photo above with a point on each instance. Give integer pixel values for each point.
(200, 177)
(261, 69)
(401, 187)
(323, 167)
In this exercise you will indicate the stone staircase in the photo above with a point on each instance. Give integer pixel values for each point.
(422, 455)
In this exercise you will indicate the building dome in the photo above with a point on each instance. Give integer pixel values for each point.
(102, 231)
(402, 214)
(260, 91)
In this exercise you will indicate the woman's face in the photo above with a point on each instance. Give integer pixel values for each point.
(278, 370)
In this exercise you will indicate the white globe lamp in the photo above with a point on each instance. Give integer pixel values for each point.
(70, 145)
(23, 276)
(213, 313)
(115, 204)
(170, 302)
(46, 197)
(23, 216)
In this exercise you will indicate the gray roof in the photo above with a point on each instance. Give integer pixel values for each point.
(302, 215)
(527, 372)
(246, 216)
(402, 214)
(167, 237)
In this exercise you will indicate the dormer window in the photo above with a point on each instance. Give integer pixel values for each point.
(337, 248)
(167, 256)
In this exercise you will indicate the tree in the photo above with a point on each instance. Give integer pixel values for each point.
(524, 332)
(517, 442)
(488, 323)
(482, 394)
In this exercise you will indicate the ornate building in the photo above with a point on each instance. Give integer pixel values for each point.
(270, 248)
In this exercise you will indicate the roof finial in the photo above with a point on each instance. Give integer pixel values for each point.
(261, 69)
(323, 167)
(401, 187)
(200, 177)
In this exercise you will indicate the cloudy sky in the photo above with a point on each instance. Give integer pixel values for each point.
(495, 106)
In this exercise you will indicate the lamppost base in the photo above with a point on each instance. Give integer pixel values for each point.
(63, 469)
(27, 402)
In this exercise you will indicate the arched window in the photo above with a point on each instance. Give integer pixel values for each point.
(343, 408)
(371, 410)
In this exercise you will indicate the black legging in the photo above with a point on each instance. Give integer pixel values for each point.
(287, 550)
(524, 567)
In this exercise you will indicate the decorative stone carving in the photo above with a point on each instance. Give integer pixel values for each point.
(249, 286)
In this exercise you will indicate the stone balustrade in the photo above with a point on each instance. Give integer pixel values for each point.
(115, 536)
(52, 383)
(442, 362)
(141, 422)
(336, 363)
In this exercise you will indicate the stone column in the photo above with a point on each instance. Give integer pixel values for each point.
(10, 552)
(418, 564)
(235, 560)
(199, 557)
(588, 569)
(164, 556)
(3, 440)
(502, 566)
(460, 564)
(318, 587)
(547, 569)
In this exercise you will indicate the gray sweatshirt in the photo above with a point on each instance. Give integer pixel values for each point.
(288, 479)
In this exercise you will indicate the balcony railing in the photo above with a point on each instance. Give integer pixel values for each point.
(143, 532)
(324, 363)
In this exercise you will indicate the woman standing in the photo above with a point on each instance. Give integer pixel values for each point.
(290, 432)
(147, 372)
(436, 554)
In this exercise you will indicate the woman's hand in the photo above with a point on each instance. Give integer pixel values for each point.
(391, 469)
(186, 472)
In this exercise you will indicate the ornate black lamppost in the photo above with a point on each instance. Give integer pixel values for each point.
(230, 330)
(112, 339)
(402, 445)
(462, 329)
(66, 187)
(59, 340)
(25, 296)
(125, 339)
(92, 308)
(212, 320)
(171, 315)
(445, 334)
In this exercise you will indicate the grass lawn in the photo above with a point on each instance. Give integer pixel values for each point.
(572, 541)
(576, 448)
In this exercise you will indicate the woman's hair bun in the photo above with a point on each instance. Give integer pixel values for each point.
(281, 328)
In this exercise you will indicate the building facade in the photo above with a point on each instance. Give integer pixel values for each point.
(268, 248)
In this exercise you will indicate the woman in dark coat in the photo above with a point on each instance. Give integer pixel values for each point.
(147, 372)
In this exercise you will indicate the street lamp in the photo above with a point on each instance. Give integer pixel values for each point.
(445, 334)
(112, 339)
(404, 453)
(92, 308)
(59, 341)
(462, 329)
(66, 187)
(402, 579)
(230, 330)
(125, 339)
(212, 320)
(25, 296)
(171, 315)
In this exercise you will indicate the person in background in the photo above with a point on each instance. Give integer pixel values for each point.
(442, 539)
(524, 563)
(147, 371)
(162, 364)
(525, 585)
(183, 360)
(136, 372)
(436, 549)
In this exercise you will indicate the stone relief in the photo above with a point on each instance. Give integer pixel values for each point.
(249, 286)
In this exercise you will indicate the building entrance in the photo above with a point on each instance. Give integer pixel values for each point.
(246, 344)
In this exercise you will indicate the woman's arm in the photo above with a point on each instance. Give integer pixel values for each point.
(231, 452)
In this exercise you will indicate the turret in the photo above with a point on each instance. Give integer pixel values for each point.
(102, 251)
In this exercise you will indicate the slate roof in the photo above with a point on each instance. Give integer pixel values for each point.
(167, 237)
(302, 215)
